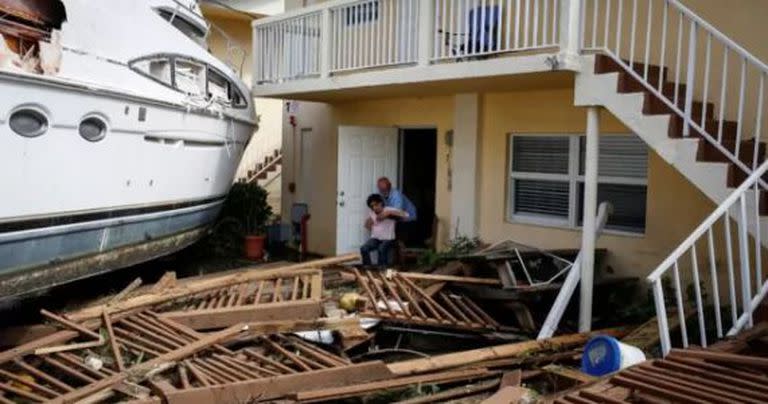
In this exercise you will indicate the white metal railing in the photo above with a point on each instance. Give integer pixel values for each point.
(747, 257)
(374, 33)
(696, 62)
(288, 49)
(350, 35)
(471, 28)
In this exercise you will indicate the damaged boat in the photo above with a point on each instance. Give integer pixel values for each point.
(120, 136)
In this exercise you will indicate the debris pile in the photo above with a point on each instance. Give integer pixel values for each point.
(320, 331)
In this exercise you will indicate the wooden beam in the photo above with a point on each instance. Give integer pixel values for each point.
(353, 390)
(224, 317)
(451, 278)
(278, 386)
(451, 360)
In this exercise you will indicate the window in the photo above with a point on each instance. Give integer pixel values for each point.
(546, 180)
(156, 68)
(186, 27)
(190, 77)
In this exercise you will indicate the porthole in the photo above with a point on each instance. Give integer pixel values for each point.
(93, 129)
(28, 122)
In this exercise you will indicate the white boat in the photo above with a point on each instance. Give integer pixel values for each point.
(120, 135)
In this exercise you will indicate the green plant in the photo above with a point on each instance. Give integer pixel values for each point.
(247, 205)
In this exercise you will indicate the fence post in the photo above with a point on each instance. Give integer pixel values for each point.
(326, 43)
(570, 27)
(426, 31)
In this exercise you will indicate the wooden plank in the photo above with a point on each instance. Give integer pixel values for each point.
(189, 288)
(450, 278)
(353, 390)
(113, 345)
(125, 292)
(453, 393)
(69, 347)
(508, 394)
(265, 312)
(455, 359)
(723, 358)
(278, 386)
(70, 324)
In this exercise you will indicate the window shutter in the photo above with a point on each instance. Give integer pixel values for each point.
(540, 154)
(549, 198)
(620, 156)
(629, 204)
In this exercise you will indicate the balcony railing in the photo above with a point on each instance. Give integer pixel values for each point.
(351, 35)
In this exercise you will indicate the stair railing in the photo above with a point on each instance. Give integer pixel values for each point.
(714, 238)
(695, 60)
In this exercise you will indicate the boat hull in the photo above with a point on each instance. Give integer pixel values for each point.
(152, 186)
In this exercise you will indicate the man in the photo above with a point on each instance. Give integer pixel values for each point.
(395, 199)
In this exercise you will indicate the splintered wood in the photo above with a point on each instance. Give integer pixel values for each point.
(279, 297)
(142, 339)
(398, 298)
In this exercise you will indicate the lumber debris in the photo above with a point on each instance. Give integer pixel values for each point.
(463, 358)
(207, 284)
(396, 297)
(125, 292)
(281, 296)
(691, 375)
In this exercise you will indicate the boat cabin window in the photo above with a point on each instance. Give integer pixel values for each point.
(194, 32)
(156, 68)
(190, 77)
(222, 90)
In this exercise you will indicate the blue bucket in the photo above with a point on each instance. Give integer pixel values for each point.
(604, 355)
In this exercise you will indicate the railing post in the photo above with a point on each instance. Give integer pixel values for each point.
(426, 29)
(570, 27)
(661, 317)
(588, 236)
(257, 58)
(690, 80)
(326, 43)
(746, 287)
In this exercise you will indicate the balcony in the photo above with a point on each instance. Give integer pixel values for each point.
(355, 47)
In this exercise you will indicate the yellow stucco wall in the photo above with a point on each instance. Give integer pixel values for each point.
(674, 209)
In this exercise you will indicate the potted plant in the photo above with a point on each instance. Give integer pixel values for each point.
(247, 204)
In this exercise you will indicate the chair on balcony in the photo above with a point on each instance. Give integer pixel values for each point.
(483, 25)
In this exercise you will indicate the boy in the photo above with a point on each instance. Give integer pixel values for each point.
(381, 223)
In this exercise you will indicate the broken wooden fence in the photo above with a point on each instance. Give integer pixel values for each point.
(396, 297)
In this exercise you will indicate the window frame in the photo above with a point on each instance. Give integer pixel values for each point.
(172, 57)
(572, 178)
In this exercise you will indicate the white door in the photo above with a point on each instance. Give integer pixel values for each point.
(365, 154)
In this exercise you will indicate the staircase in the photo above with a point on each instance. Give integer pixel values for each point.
(697, 99)
(266, 172)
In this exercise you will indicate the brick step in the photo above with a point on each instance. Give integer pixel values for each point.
(708, 152)
(605, 64)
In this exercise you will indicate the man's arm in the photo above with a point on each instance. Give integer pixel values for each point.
(392, 213)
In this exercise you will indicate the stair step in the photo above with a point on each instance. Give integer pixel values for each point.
(736, 177)
(605, 64)
(730, 129)
(708, 152)
(262, 175)
(655, 106)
